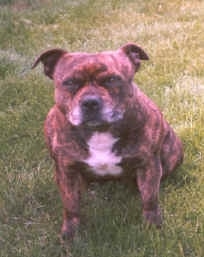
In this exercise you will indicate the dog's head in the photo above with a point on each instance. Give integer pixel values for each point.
(93, 89)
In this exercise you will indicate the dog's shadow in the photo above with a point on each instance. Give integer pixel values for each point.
(180, 178)
(121, 201)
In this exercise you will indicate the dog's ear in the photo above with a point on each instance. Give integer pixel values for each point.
(135, 54)
(49, 59)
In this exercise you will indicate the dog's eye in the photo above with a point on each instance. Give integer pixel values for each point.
(69, 82)
(72, 84)
(111, 80)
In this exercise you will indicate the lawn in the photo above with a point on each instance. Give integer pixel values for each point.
(172, 33)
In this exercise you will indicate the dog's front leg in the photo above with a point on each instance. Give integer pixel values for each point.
(148, 181)
(70, 184)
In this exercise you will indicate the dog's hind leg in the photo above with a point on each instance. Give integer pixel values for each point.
(148, 181)
(171, 153)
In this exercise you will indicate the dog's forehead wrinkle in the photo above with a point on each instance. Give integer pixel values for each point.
(88, 65)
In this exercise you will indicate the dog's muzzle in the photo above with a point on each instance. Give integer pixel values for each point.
(93, 112)
(91, 109)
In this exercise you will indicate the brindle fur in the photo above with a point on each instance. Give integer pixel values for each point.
(149, 148)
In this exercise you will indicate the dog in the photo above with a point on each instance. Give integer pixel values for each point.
(104, 127)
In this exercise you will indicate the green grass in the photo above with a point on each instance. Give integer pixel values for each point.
(30, 208)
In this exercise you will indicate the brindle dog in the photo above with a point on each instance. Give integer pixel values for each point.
(103, 127)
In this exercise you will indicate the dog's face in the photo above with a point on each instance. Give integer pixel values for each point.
(93, 89)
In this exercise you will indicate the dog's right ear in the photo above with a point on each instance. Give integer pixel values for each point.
(49, 59)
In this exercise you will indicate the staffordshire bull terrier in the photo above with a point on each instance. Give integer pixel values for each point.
(103, 127)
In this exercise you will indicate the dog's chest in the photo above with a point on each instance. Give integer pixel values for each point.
(101, 159)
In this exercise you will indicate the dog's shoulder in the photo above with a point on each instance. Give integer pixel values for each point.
(55, 119)
(55, 127)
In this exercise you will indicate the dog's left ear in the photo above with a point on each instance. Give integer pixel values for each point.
(49, 59)
(135, 54)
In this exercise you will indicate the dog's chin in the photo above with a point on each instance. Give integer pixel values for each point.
(101, 122)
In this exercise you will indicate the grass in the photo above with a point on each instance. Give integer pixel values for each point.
(30, 208)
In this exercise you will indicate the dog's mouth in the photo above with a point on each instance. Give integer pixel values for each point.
(92, 122)
(103, 118)
(102, 121)
(95, 124)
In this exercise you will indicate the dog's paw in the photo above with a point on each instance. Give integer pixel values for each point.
(69, 228)
(153, 217)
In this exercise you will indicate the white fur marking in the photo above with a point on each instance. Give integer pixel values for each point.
(102, 160)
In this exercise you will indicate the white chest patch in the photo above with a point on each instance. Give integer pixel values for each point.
(102, 160)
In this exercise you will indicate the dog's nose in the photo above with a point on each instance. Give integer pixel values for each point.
(91, 104)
